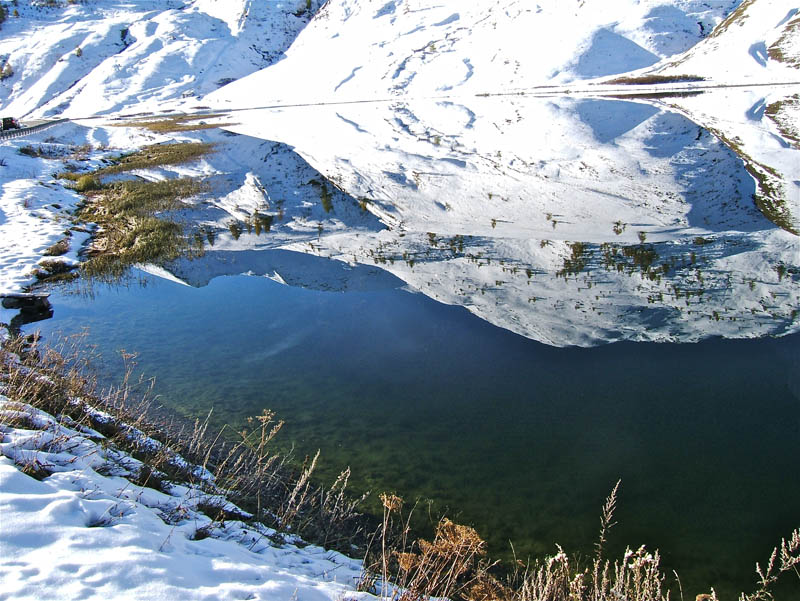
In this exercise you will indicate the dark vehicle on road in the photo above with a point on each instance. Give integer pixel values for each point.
(10, 123)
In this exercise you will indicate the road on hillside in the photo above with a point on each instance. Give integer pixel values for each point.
(30, 128)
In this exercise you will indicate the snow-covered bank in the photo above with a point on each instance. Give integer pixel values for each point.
(88, 532)
(34, 208)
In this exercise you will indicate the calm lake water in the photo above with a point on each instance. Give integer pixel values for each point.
(521, 439)
(458, 401)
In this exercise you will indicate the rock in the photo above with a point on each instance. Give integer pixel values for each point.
(59, 248)
(31, 303)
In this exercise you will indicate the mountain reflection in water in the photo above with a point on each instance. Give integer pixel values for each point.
(570, 222)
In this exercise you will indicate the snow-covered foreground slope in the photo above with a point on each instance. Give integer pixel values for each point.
(87, 532)
(84, 59)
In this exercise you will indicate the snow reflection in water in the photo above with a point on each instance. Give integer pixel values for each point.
(571, 222)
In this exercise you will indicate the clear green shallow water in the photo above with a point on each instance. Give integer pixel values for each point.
(520, 439)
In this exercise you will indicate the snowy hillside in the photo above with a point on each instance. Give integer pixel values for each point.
(716, 269)
(757, 49)
(553, 168)
(105, 56)
(757, 43)
(411, 48)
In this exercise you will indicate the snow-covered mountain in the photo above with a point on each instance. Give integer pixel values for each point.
(408, 53)
(105, 56)
(484, 189)
(365, 50)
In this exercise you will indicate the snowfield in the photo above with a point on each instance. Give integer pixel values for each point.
(146, 55)
(416, 49)
(86, 532)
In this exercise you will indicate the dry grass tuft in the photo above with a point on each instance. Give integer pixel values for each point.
(130, 213)
(785, 558)
(158, 155)
(453, 566)
(147, 157)
(132, 225)
(58, 249)
(449, 566)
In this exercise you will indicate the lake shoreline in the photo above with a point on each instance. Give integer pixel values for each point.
(62, 451)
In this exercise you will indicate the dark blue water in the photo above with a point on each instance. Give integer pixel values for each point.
(520, 439)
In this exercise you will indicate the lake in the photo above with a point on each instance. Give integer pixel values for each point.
(508, 358)
(521, 439)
